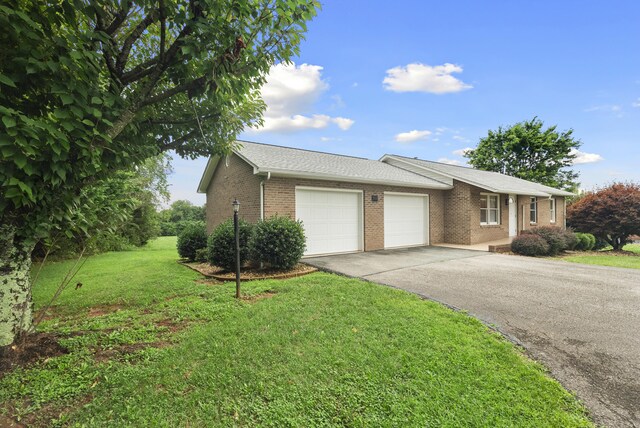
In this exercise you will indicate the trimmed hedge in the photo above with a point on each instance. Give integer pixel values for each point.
(192, 238)
(586, 241)
(529, 244)
(557, 238)
(221, 244)
(278, 241)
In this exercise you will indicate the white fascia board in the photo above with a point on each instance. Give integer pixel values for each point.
(212, 163)
(316, 176)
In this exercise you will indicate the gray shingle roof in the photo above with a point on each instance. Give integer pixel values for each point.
(493, 181)
(280, 160)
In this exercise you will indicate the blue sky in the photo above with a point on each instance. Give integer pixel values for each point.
(429, 79)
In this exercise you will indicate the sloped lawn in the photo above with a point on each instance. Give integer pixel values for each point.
(150, 346)
(630, 258)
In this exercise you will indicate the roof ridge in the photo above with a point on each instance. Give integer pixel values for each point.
(305, 150)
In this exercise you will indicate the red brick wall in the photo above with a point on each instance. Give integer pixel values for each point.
(279, 198)
(233, 179)
(544, 212)
(457, 206)
(484, 233)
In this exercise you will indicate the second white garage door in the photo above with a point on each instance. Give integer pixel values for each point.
(406, 220)
(332, 220)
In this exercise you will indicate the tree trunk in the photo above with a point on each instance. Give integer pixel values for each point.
(15, 287)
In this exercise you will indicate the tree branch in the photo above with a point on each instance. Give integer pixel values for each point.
(185, 87)
(132, 38)
(118, 19)
(168, 121)
(139, 71)
(177, 142)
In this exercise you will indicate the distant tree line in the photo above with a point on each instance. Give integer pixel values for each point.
(180, 214)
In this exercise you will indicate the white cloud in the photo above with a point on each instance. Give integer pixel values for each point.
(450, 161)
(343, 123)
(412, 136)
(582, 157)
(418, 77)
(328, 139)
(614, 108)
(461, 139)
(289, 92)
(461, 152)
(636, 103)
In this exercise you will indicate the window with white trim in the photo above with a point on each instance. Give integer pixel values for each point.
(552, 209)
(489, 208)
(533, 210)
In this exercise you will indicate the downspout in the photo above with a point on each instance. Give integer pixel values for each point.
(262, 195)
(262, 200)
(564, 210)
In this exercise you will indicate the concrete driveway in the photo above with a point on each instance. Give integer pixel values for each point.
(582, 322)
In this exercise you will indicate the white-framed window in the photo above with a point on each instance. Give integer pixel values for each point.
(489, 208)
(552, 209)
(533, 210)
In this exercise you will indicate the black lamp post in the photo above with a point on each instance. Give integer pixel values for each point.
(236, 208)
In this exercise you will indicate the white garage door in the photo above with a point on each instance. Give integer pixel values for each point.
(406, 220)
(331, 220)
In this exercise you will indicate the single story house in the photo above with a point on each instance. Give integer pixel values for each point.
(350, 204)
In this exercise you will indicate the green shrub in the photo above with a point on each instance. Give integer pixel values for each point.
(222, 248)
(530, 245)
(555, 237)
(278, 241)
(167, 228)
(192, 238)
(586, 241)
(202, 255)
(570, 239)
(181, 225)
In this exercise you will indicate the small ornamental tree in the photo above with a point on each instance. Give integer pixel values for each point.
(611, 213)
(89, 87)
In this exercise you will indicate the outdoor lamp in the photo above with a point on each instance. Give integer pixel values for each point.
(236, 232)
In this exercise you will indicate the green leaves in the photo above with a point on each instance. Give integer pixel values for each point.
(6, 81)
(526, 150)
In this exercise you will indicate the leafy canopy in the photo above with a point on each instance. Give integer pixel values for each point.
(88, 87)
(611, 213)
(526, 150)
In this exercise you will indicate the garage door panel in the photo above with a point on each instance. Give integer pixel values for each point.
(405, 220)
(332, 220)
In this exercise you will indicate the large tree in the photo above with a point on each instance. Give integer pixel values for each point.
(611, 213)
(88, 87)
(526, 150)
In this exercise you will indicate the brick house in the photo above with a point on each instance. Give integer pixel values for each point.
(352, 204)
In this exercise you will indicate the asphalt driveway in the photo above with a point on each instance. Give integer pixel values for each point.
(582, 322)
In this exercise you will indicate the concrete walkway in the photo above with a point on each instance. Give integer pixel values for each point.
(583, 322)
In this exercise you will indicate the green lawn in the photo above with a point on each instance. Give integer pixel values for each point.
(152, 347)
(606, 258)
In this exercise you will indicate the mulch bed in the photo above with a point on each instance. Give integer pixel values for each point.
(37, 346)
(248, 273)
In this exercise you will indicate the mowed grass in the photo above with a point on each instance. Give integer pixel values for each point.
(152, 347)
(608, 258)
